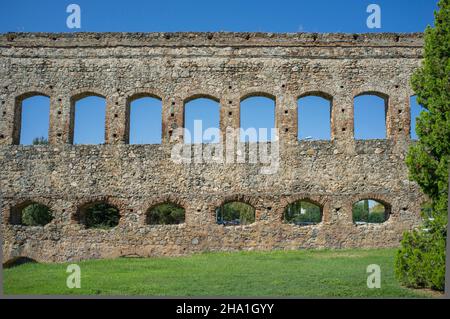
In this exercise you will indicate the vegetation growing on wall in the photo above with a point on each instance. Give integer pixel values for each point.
(40, 141)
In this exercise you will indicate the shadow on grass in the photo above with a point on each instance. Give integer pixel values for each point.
(17, 261)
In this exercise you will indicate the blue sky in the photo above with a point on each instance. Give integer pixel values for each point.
(145, 121)
(208, 15)
(233, 15)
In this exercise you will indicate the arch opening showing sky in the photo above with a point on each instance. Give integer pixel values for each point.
(146, 121)
(314, 118)
(89, 123)
(208, 16)
(201, 119)
(35, 119)
(257, 119)
(369, 117)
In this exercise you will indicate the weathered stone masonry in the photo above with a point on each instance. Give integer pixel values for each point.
(176, 68)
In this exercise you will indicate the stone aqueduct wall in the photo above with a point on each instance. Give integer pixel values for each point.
(176, 68)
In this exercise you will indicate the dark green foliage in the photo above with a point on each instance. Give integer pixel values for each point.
(165, 214)
(312, 214)
(235, 213)
(40, 141)
(36, 215)
(377, 217)
(420, 261)
(360, 213)
(364, 214)
(101, 215)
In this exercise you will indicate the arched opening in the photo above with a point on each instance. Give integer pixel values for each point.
(31, 214)
(257, 119)
(314, 117)
(145, 116)
(201, 120)
(303, 212)
(99, 215)
(34, 115)
(370, 211)
(89, 119)
(370, 111)
(166, 214)
(415, 109)
(235, 213)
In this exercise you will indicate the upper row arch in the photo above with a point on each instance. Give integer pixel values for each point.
(85, 92)
(195, 96)
(320, 93)
(30, 92)
(134, 94)
(257, 93)
(379, 94)
(143, 92)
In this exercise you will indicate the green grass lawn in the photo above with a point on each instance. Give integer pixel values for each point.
(305, 273)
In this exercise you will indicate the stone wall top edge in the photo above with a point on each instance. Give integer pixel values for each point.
(220, 39)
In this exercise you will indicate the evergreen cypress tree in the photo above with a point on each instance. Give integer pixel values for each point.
(421, 260)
